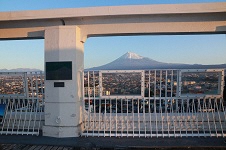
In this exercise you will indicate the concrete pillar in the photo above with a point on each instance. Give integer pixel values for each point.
(63, 105)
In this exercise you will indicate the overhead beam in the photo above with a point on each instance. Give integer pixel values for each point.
(118, 20)
(115, 11)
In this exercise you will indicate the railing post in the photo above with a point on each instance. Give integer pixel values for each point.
(63, 105)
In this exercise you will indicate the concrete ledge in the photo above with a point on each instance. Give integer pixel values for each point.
(112, 142)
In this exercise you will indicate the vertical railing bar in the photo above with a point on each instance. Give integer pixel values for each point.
(144, 119)
(30, 108)
(138, 115)
(174, 120)
(88, 117)
(189, 115)
(166, 103)
(200, 108)
(32, 97)
(162, 117)
(196, 116)
(149, 95)
(10, 113)
(105, 117)
(116, 117)
(1, 102)
(180, 116)
(160, 95)
(121, 117)
(183, 119)
(219, 116)
(202, 116)
(18, 127)
(223, 110)
(207, 115)
(26, 92)
(89, 108)
(83, 112)
(204, 113)
(177, 116)
(15, 115)
(179, 94)
(110, 115)
(40, 111)
(25, 115)
(42, 91)
(36, 110)
(215, 123)
(12, 119)
(186, 113)
(37, 92)
(83, 101)
(213, 113)
(99, 117)
(10, 116)
(171, 103)
(127, 123)
(100, 100)
(156, 125)
(200, 112)
(93, 102)
(133, 115)
(190, 109)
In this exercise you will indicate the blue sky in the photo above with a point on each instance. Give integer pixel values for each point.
(190, 49)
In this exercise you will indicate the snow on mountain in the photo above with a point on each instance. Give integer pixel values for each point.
(131, 55)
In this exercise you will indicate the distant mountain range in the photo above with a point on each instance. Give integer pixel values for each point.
(20, 70)
(133, 61)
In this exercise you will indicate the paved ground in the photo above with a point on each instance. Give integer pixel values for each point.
(27, 142)
(32, 147)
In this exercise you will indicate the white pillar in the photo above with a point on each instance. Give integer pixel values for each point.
(63, 105)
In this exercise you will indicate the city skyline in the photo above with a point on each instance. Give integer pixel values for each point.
(187, 49)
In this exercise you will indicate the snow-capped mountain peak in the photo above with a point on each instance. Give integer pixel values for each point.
(131, 55)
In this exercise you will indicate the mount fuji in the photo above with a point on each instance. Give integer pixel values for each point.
(133, 61)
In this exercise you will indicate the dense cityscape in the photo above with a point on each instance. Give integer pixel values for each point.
(120, 84)
(166, 84)
(125, 92)
(112, 95)
(16, 85)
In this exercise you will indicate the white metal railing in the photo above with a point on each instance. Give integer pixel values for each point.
(22, 98)
(160, 109)
(136, 103)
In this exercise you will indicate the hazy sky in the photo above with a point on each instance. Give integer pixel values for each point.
(191, 49)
